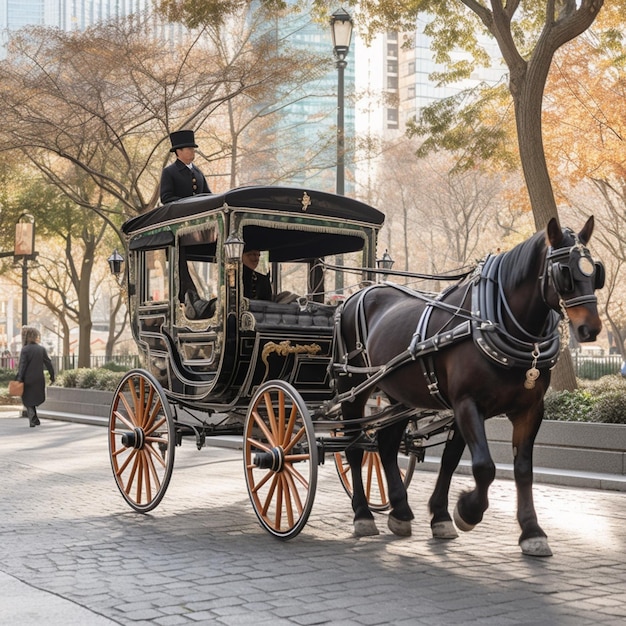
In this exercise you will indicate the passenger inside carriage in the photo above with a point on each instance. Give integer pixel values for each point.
(256, 286)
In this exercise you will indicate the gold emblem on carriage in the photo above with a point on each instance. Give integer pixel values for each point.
(284, 348)
(306, 201)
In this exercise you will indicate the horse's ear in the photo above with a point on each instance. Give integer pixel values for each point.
(585, 234)
(554, 233)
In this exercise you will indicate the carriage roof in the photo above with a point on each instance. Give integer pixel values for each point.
(286, 200)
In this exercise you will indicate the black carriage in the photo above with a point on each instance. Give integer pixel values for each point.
(215, 362)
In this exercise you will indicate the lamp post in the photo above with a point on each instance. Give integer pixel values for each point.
(341, 30)
(25, 250)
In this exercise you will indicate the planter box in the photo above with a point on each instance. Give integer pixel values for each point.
(79, 405)
(569, 453)
(581, 446)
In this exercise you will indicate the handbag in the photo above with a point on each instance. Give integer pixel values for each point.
(16, 388)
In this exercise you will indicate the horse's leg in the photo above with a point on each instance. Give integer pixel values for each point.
(399, 519)
(441, 523)
(364, 524)
(472, 504)
(533, 540)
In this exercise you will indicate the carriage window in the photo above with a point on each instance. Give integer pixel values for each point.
(198, 270)
(156, 276)
(296, 278)
(205, 278)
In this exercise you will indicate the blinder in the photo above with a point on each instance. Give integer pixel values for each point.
(569, 266)
(563, 279)
(600, 275)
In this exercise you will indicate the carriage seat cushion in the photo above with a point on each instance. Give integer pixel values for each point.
(314, 315)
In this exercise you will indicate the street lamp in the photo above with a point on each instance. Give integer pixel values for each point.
(25, 250)
(341, 30)
(385, 263)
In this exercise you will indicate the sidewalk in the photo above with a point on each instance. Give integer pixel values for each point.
(73, 552)
(29, 606)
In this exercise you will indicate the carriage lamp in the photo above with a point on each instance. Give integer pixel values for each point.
(116, 260)
(233, 248)
(385, 263)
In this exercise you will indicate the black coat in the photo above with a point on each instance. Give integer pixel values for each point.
(33, 358)
(177, 181)
(256, 286)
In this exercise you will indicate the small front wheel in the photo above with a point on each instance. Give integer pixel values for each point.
(141, 440)
(280, 459)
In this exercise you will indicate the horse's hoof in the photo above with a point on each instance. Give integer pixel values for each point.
(444, 530)
(365, 528)
(535, 546)
(398, 527)
(460, 523)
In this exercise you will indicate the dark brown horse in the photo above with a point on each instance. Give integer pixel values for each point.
(483, 347)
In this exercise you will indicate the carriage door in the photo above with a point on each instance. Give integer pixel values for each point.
(198, 317)
(153, 293)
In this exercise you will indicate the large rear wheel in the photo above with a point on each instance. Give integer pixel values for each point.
(141, 440)
(280, 459)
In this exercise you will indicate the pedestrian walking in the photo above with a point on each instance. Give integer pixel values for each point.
(33, 359)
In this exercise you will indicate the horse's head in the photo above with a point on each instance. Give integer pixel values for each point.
(571, 276)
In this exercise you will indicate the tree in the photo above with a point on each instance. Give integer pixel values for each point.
(252, 150)
(63, 273)
(528, 35)
(441, 220)
(92, 112)
(584, 121)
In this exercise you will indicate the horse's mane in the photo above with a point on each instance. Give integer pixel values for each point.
(517, 262)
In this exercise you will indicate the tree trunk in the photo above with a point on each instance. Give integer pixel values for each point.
(84, 304)
(527, 91)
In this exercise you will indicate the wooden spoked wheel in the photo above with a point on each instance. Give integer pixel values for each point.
(374, 480)
(280, 459)
(141, 440)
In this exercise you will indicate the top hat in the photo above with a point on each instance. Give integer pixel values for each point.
(182, 139)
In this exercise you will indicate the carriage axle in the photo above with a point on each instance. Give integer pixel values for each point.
(273, 460)
(134, 439)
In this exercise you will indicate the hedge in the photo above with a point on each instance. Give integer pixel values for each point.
(602, 400)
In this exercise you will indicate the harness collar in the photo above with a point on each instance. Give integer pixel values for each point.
(490, 334)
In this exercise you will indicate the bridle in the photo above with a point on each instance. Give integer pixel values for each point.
(564, 268)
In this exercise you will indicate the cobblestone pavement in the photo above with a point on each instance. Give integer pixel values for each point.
(73, 552)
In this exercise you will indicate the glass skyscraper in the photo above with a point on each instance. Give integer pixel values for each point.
(64, 14)
(311, 121)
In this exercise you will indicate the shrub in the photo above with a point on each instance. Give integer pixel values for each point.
(87, 378)
(7, 374)
(115, 367)
(90, 378)
(609, 408)
(604, 384)
(67, 378)
(572, 406)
